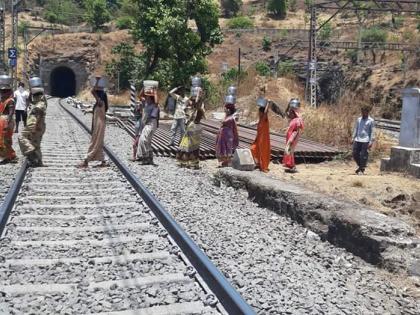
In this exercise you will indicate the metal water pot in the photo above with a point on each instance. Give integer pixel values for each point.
(35, 82)
(196, 81)
(261, 102)
(149, 86)
(231, 90)
(230, 99)
(5, 80)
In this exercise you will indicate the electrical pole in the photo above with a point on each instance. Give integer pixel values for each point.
(3, 67)
(15, 21)
(311, 78)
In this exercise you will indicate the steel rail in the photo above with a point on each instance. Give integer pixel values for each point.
(10, 198)
(230, 299)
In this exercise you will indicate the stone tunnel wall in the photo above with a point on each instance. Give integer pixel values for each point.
(47, 66)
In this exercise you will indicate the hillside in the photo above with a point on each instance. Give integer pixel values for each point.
(377, 82)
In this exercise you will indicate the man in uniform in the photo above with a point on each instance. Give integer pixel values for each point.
(31, 136)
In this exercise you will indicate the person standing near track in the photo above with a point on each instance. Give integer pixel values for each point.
(7, 110)
(227, 140)
(261, 148)
(292, 136)
(188, 154)
(22, 102)
(363, 138)
(96, 147)
(179, 114)
(138, 127)
(31, 135)
(151, 115)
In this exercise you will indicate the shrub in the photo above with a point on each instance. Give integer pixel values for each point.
(22, 26)
(62, 11)
(240, 22)
(124, 22)
(352, 55)
(292, 5)
(278, 8)
(374, 34)
(232, 75)
(266, 43)
(398, 21)
(285, 68)
(262, 68)
(325, 32)
(212, 94)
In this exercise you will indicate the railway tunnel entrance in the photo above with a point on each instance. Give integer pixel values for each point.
(62, 82)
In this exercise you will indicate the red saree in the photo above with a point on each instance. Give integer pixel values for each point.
(6, 131)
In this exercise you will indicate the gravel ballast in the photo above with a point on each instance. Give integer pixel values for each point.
(277, 265)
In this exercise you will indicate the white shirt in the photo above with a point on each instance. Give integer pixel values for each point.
(363, 130)
(181, 103)
(21, 96)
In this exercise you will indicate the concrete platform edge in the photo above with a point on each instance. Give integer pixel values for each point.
(378, 239)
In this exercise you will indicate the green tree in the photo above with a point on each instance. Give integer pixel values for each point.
(128, 8)
(97, 13)
(231, 7)
(173, 50)
(122, 64)
(278, 8)
(62, 11)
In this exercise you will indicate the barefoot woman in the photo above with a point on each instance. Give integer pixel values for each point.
(96, 147)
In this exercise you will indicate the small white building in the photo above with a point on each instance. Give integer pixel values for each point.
(406, 156)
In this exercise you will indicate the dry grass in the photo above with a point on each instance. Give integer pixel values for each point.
(357, 183)
(122, 99)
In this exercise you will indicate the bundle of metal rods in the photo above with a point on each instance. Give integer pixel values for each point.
(307, 150)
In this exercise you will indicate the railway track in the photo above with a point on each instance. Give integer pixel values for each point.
(96, 241)
(389, 125)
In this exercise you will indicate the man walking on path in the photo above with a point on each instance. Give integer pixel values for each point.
(22, 101)
(179, 114)
(363, 137)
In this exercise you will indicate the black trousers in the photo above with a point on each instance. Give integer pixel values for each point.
(361, 153)
(21, 115)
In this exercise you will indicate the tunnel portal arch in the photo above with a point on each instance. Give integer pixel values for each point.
(63, 82)
(63, 77)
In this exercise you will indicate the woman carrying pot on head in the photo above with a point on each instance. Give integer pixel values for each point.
(227, 140)
(96, 147)
(151, 115)
(7, 110)
(189, 148)
(292, 136)
(261, 148)
(138, 127)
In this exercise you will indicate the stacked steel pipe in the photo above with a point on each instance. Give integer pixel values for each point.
(306, 150)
